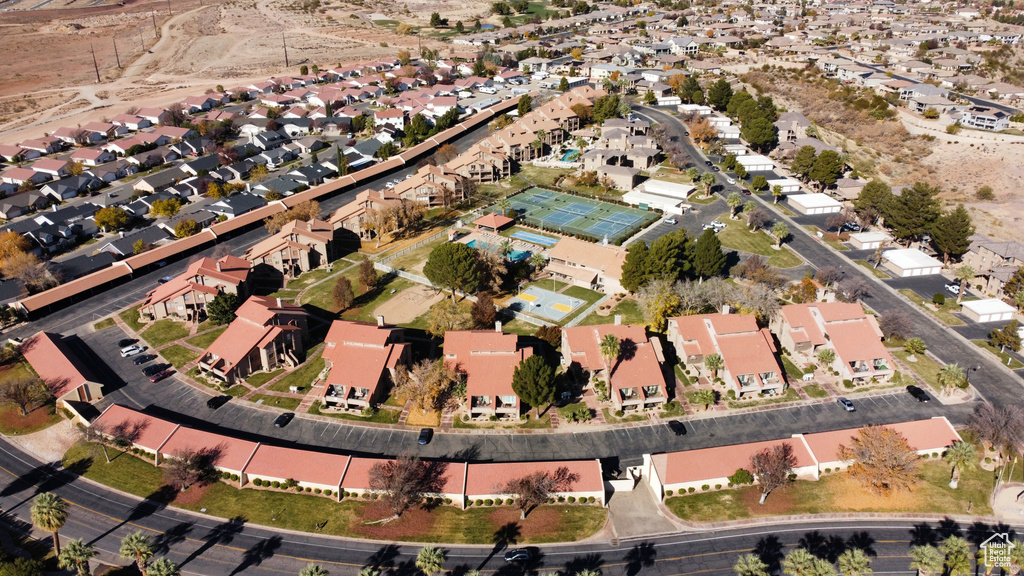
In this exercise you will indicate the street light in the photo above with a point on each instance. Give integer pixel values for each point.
(974, 368)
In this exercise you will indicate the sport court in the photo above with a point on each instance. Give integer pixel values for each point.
(545, 303)
(582, 217)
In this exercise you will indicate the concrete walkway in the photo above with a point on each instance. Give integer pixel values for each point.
(638, 513)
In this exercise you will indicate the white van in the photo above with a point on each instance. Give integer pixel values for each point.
(489, 90)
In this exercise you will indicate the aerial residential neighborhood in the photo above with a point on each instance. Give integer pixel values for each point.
(729, 288)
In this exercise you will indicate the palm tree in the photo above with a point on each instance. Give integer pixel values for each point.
(958, 556)
(588, 572)
(610, 353)
(964, 274)
(537, 260)
(693, 173)
(708, 180)
(49, 513)
(821, 567)
(706, 397)
(714, 363)
(369, 571)
(1016, 559)
(163, 567)
(854, 562)
(952, 376)
(505, 248)
(430, 560)
(780, 231)
(734, 201)
(136, 546)
(776, 193)
(799, 562)
(826, 356)
(314, 570)
(76, 555)
(927, 560)
(750, 565)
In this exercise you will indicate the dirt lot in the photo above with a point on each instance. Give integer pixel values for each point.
(48, 68)
(409, 305)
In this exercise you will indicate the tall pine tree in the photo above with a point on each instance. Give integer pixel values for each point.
(913, 212)
(634, 269)
(708, 258)
(670, 256)
(951, 233)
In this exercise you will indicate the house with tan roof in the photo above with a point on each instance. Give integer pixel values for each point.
(593, 266)
(637, 379)
(186, 296)
(353, 216)
(487, 359)
(993, 262)
(299, 247)
(266, 334)
(749, 365)
(432, 186)
(362, 359)
(844, 328)
(66, 374)
(481, 164)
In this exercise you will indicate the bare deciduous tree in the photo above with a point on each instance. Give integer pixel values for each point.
(534, 489)
(882, 459)
(772, 467)
(405, 480)
(829, 275)
(189, 467)
(998, 427)
(24, 391)
(895, 324)
(852, 289)
(424, 384)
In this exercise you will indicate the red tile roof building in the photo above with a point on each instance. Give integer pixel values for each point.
(637, 380)
(299, 247)
(488, 359)
(65, 374)
(362, 359)
(748, 353)
(186, 296)
(266, 334)
(842, 327)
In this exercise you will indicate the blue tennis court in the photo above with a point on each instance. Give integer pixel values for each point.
(548, 210)
(561, 218)
(546, 303)
(534, 238)
(577, 208)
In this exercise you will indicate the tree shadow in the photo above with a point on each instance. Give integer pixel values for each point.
(769, 550)
(149, 505)
(222, 533)
(383, 557)
(175, 535)
(923, 535)
(506, 535)
(949, 527)
(979, 532)
(639, 557)
(822, 547)
(863, 541)
(591, 561)
(260, 551)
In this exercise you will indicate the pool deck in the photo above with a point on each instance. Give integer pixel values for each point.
(495, 240)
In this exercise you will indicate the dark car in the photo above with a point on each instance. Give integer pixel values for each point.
(746, 192)
(846, 404)
(125, 342)
(151, 370)
(160, 375)
(707, 162)
(716, 168)
(217, 401)
(518, 555)
(142, 359)
(677, 427)
(425, 435)
(165, 279)
(917, 393)
(283, 420)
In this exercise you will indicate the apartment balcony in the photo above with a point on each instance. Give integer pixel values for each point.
(481, 402)
(654, 394)
(629, 397)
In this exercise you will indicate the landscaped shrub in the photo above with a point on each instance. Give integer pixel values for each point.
(275, 484)
(988, 460)
(366, 495)
(479, 502)
(257, 482)
(234, 477)
(328, 492)
(935, 454)
(668, 492)
(827, 470)
(488, 502)
(317, 491)
(690, 490)
(718, 486)
(741, 477)
(939, 299)
(591, 499)
(731, 394)
(225, 476)
(619, 413)
(448, 501)
(561, 499)
(848, 383)
(308, 489)
(705, 487)
(925, 456)
(469, 503)
(572, 499)
(298, 489)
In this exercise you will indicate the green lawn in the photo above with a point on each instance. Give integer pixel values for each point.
(549, 284)
(613, 419)
(178, 355)
(925, 368)
(38, 417)
(791, 368)
(260, 378)
(815, 391)
(840, 493)
(876, 271)
(204, 340)
(104, 324)
(588, 296)
(131, 318)
(1007, 360)
(944, 313)
(286, 295)
(276, 401)
(380, 416)
(237, 391)
(628, 308)
(307, 279)
(302, 512)
(413, 257)
(164, 332)
(737, 236)
(302, 377)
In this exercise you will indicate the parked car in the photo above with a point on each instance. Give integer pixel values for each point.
(730, 180)
(846, 404)
(708, 163)
(160, 375)
(716, 169)
(132, 350)
(142, 359)
(283, 420)
(425, 435)
(710, 227)
(717, 224)
(917, 393)
(518, 555)
(217, 401)
(150, 370)
(165, 279)
(123, 342)
(850, 227)
(954, 288)
(746, 192)
(671, 221)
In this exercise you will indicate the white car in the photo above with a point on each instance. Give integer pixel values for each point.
(730, 180)
(389, 185)
(717, 224)
(954, 288)
(710, 227)
(671, 221)
(132, 350)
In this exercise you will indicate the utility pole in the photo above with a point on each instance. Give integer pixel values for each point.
(155, 32)
(142, 42)
(94, 64)
(169, 13)
(116, 55)
(285, 44)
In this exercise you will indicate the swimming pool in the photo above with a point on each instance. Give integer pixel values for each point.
(570, 155)
(515, 255)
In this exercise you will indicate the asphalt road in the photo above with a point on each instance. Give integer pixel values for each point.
(205, 545)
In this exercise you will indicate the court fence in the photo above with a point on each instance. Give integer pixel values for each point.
(543, 223)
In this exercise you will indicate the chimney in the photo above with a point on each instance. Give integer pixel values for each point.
(218, 266)
(725, 309)
(497, 326)
(618, 319)
(380, 321)
(280, 303)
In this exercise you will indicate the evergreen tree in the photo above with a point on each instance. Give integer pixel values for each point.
(525, 105)
(1006, 337)
(563, 85)
(760, 133)
(453, 266)
(670, 256)
(708, 257)
(914, 212)
(534, 382)
(803, 162)
(634, 269)
(719, 94)
(951, 233)
(222, 309)
(827, 168)
(874, 198)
